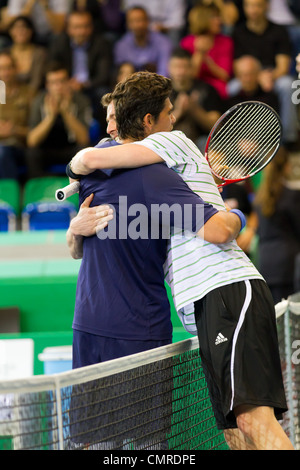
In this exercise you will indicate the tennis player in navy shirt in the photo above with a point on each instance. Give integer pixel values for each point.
(121, 298)
(122, 306)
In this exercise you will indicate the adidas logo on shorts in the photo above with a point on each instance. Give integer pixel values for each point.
(220, 339)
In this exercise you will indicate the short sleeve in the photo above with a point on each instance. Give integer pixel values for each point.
(172, 147)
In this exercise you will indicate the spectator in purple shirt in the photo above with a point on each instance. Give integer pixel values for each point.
(86, 54)
(144, 48)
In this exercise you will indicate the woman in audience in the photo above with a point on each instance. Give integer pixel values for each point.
(30, 58)
(212, 52)
(48, 16)
(229, 11)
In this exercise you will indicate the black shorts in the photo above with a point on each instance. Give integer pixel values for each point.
(238, 343)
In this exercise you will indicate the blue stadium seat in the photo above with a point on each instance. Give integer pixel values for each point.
(41, 211)
(48, 216)
(9, 204)
(8, 218)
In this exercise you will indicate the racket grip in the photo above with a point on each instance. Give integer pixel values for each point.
(67, 191)
(241, 216)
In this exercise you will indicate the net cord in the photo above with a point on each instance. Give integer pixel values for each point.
(94, 372)
(292, 304)
(289, 391)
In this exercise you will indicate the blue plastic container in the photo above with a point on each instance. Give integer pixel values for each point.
(56, 359)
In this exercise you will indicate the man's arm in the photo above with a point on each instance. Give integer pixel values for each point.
(74, 125)
(41, 131)
(75, 244)
(87, 223)
(13, 10)
(56, 19)
(283, 63)
(41, 126)
(170, 196)
(122, 156)
(222, 227)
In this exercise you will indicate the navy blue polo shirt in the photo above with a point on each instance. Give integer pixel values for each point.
(120, 290)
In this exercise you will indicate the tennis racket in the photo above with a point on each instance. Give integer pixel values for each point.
(67, 191)
(243, 141)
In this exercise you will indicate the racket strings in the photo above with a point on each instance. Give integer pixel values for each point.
(244, 142)
(228, 136)
(262, 145)
(265, 152)
(235, 121)
(233, 136)
(255, 155)
(231, 128)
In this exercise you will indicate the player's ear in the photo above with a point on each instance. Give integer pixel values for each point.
(148, 123)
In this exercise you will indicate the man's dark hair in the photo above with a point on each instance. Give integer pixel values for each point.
(138, 7)
(106, 100)
(55, 66)
(138, 95)
(81, 13)
(180, 53)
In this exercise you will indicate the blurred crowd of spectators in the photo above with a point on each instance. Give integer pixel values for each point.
(58, 58)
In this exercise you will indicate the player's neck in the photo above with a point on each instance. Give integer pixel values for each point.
(126, 141)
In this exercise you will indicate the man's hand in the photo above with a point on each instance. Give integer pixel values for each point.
(90, 220)
(75, 85)
(203, 43)
(66, 102)
(51, 106)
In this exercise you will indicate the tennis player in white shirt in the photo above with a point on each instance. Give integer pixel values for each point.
(217, 291)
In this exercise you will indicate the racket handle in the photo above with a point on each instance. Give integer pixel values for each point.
(67, 191)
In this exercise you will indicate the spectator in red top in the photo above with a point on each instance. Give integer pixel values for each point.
(212, 52)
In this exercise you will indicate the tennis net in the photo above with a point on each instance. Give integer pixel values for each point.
(156, 400)
(288, 327)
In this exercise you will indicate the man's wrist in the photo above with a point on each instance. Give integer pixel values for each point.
(241, 217)
(71, 174)
(73, 231)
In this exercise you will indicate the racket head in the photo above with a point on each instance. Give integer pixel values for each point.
(243, 141)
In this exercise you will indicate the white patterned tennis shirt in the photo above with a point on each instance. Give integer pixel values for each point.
(194, 267)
